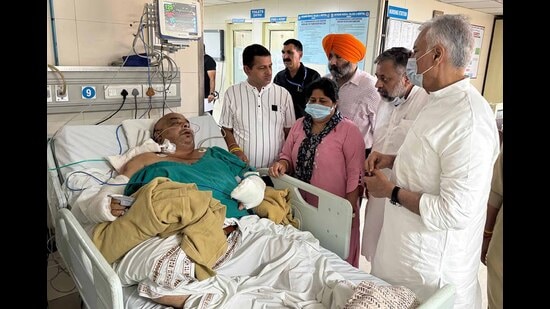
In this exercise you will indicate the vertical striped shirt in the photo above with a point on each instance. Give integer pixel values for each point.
(258, 120)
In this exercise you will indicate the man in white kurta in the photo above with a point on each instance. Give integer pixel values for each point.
(437, 194)
(401, 102)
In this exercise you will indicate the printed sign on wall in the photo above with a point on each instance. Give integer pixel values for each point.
(312, 28)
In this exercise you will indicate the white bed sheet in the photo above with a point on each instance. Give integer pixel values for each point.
(90, 142)
(298, 272)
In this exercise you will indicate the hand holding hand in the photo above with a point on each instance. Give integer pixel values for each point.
(378, 185)
(377, 160)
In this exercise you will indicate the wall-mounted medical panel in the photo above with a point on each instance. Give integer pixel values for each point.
(72, 89)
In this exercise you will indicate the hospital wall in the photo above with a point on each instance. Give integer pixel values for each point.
(220, 17)
(98, 32)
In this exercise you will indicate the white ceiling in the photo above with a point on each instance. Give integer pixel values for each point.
(220, 2)
(493, 7)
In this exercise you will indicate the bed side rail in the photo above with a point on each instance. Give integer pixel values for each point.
(97, 283)
(443, 298)
(56, 199)
(330, 222)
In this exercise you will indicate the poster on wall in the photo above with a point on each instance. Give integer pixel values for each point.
(401, 33)
(312, 28)
(471, 70)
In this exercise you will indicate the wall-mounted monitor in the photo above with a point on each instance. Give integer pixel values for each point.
(179, 19)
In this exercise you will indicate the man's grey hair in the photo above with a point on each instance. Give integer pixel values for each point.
(454, 32)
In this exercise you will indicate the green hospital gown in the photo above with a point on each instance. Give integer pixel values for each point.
(216, 171)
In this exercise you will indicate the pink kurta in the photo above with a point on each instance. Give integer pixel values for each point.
(338, 167)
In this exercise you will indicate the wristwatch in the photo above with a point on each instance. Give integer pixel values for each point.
(393, 199)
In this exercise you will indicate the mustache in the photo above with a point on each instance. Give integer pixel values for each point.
(188, 130)
(286, 60)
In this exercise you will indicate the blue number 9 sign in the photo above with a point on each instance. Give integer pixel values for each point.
(88, 92)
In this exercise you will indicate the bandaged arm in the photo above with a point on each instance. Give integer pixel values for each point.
(250, 191)
(93, 205)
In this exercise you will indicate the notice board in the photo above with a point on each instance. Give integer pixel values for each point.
(312, 28)
(401, 33)
(478, 32)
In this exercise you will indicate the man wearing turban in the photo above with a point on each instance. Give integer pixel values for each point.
(359, 101)
(358, 96)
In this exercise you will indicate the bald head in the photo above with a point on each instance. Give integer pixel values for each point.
(167, 126)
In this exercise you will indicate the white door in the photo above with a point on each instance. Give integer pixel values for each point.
(240, 36)
(275, 34)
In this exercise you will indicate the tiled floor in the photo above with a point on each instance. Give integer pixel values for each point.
(62, 292)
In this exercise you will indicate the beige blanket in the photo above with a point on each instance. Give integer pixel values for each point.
(276, 207)
(162, 208)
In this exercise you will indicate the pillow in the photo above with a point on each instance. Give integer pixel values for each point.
(137, 131)
(81, 147)
(86, 146)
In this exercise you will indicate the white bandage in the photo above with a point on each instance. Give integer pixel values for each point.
(118, 161)
(250, 192)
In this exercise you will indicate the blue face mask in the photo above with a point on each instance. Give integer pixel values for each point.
(414, 78)
(318, 111)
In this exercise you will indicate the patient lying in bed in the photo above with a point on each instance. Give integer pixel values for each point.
(171, 243)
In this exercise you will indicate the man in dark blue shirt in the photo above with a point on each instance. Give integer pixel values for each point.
(296, 76)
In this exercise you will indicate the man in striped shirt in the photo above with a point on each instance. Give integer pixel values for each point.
(256, 114)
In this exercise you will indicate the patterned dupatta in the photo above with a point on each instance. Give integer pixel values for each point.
(306, 152)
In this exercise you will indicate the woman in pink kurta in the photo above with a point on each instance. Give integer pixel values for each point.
(326, 150)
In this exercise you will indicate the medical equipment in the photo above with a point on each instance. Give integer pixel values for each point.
(124, 200)
(167, 146)
(98, 88)
(97, 282)
(179, 19)
(172, 24)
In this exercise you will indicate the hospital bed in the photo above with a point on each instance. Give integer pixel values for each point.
(83, 147)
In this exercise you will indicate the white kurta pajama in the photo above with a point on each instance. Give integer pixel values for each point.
(448, 156)
(392, 124)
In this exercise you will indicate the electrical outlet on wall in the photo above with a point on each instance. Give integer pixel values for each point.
(113, 91)
(159, 88)
(60, 96)
(49, 95)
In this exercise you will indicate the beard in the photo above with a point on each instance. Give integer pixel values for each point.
(399, 91)
(340, 72)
